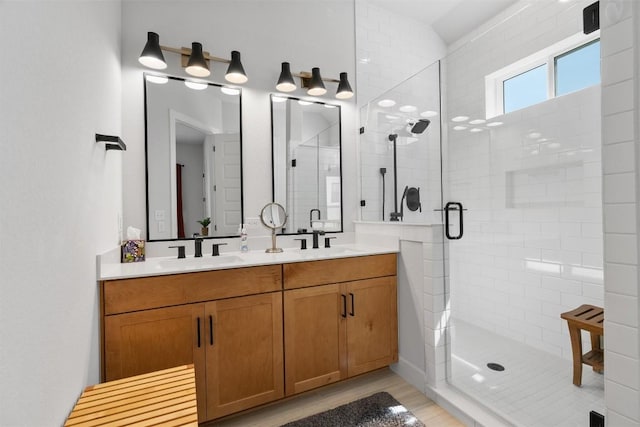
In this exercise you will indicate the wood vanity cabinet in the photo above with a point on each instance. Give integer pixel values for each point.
(228, 323)
(254, 333)
(338, 330)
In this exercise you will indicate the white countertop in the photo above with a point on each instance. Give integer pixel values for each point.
(157, 266)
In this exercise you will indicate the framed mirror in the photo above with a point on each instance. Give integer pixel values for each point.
(193, 159)
(307, 163)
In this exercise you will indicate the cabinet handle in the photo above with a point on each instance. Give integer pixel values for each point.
(198, 332)
(344, 306)
(353, 305)
(211, 329)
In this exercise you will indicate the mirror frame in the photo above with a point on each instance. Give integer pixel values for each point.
(273, 181)
(146, 160)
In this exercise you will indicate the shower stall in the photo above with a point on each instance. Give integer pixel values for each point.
(512, 214)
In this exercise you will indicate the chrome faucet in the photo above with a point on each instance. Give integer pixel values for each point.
(198, 245)
(311, 216)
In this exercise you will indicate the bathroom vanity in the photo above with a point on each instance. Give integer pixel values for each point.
(256, 329)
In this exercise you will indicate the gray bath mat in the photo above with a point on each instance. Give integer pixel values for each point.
(378, 410)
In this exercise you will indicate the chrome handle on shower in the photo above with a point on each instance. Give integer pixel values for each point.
(453, 206)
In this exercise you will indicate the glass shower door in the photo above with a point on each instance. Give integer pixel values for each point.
(524, 237)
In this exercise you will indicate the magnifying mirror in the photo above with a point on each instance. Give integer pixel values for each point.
(273, 216)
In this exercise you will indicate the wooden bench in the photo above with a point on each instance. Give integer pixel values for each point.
(589, 318)
(166, 398)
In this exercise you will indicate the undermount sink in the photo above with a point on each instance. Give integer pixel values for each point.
(199, 263)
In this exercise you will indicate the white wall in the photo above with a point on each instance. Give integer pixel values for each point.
(620, 35)
(319, 35)
(390, 49)
(61, 196)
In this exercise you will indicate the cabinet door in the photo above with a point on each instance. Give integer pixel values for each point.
(315, 337)
(151, 340)
(244, 353)
(372, 325)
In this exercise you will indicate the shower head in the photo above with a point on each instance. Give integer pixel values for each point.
(419, 126)
(393, 136)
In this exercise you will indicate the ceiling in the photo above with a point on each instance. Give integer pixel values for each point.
(451, 19)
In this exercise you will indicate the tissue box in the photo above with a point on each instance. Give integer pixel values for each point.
(132, 251)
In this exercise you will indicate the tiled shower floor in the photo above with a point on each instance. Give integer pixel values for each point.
(534, 390)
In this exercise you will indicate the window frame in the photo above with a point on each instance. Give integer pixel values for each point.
(494, 82)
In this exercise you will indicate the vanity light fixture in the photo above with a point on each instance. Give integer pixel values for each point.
(344, 88)
(316, 86)
(151, 55)
(197, 66)
(235, 72)
(285, 81)
(313, 82)
(195, 61)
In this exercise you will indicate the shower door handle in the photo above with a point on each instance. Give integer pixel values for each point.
(453, 206)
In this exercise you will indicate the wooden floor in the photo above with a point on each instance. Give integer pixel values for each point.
(329, 397)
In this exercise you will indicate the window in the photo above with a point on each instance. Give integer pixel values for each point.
(562, 68)
(578, 68)
(525, 89)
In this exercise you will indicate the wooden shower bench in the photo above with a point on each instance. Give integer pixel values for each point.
(166, 398)
(589, 318)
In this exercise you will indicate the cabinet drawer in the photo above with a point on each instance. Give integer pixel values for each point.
(312, 273)
(121, 296)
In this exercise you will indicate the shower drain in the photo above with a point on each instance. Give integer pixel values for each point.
(495, 367)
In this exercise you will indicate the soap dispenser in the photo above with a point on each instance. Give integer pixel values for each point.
(244, 244)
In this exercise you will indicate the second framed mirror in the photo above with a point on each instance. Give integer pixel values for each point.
(307, 163)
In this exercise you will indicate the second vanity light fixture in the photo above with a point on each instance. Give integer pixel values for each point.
(313, 82)
(195, 61)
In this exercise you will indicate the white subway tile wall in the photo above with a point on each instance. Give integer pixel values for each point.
(620, 36)
(390, 49)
